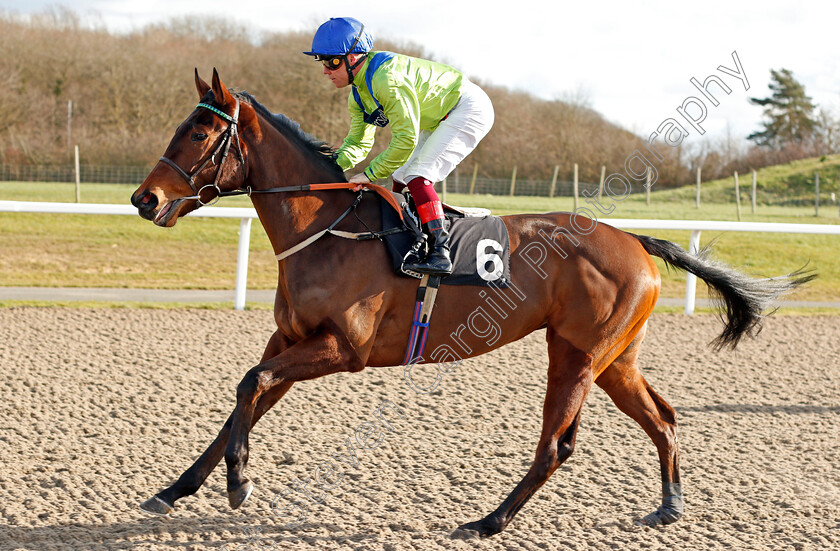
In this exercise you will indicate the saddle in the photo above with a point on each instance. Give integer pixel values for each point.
(480, 246)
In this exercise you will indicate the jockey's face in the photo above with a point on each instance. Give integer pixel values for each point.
(339, 76)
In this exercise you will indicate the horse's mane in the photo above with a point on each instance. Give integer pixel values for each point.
(320, 151)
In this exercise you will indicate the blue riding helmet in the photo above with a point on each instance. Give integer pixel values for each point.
(341, 36)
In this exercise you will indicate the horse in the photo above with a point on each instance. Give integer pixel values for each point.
(340, 307)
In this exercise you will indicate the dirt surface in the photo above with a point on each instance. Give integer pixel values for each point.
(103, 408)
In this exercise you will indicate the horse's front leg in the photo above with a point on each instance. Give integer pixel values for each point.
(188, 483)
(327, 351)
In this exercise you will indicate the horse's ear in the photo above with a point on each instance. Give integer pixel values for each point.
(222, 95)
(200, 85)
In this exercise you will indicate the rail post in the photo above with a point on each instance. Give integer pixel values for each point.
(553, 181)
(691, 279)
(601, 182)
(817, 197)
(697, 198)
(78, 177)
(242, 263)
(513, 181)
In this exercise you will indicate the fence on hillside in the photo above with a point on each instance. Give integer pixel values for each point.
(467, 182)
(90, 174)
(456, 183)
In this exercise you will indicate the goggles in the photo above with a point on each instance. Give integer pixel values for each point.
(331, 62)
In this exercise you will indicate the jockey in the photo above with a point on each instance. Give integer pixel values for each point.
(437, 118)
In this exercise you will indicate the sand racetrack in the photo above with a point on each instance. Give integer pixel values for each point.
(104, 407)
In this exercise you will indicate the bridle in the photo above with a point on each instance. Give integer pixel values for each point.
(230, 135)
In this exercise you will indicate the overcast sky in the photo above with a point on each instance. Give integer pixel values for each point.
(631, 61)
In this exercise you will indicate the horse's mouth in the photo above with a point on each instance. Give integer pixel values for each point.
(168, 213)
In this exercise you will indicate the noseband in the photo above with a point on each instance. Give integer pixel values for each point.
(231, 134)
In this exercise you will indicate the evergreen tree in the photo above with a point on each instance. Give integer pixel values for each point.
(789, 113)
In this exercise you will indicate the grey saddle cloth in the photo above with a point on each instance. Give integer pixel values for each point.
(480, 247)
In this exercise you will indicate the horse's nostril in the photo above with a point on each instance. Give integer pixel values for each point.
(145, 201)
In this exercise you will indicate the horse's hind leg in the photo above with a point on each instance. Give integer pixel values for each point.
(188, 483)
(569, 381)
(623, 382)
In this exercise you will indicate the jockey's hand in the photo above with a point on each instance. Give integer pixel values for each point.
(358, 179)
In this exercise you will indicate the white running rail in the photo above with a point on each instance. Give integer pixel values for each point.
(246, 214)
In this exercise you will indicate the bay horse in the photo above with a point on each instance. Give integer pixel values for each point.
(339, 306)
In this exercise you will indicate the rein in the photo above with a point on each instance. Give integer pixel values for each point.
(231, 134)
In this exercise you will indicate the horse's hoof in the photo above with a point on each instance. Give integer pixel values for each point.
(660, 517)
(478, 529)
(238, 496)
(156, 506)
(462, 533)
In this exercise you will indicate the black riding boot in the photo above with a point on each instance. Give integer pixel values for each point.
(437, 262)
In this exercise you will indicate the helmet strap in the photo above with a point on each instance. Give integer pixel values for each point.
(350, 51)
(350, 68)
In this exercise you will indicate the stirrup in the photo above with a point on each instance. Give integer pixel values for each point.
(415, 254)
(435, 263)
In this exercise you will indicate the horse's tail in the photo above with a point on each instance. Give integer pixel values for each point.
(741, 299)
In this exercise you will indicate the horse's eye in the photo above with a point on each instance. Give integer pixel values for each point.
(198, 137)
